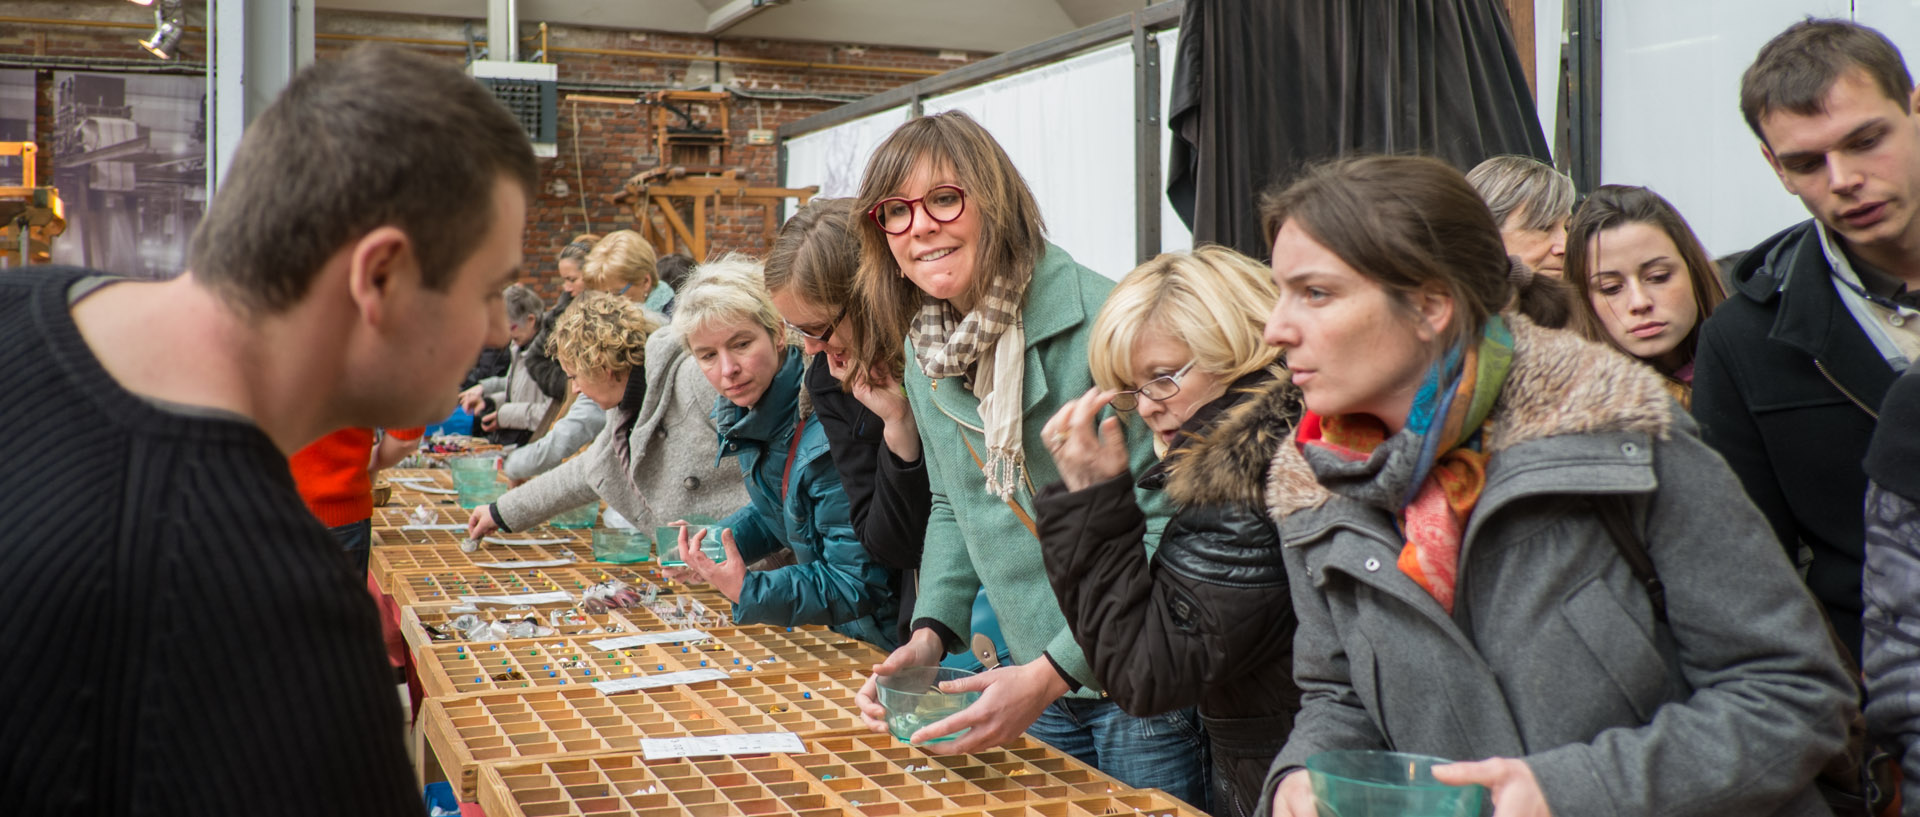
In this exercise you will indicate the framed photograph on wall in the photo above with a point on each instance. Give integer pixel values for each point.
(129, 159)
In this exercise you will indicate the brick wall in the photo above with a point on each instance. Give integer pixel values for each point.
(613, 141)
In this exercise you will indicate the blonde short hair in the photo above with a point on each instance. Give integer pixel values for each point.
(601, 333)
(1214, 299)
(730, 290)
(624, 257)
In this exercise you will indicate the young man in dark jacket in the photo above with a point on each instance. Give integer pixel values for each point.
(188, 638)
(1791, 370)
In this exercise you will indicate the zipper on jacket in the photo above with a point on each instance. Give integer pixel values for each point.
(1843, 390)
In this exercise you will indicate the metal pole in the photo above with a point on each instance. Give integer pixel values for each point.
(1146, 141)
(257, 46)
(1582, 94)
(26, 243)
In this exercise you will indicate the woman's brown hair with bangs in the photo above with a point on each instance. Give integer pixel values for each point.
(1011, 241)
(1617, 205)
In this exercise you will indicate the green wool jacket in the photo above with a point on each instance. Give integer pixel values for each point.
(973, 539)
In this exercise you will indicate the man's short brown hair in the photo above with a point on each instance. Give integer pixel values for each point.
(376, 137)
(1794, 70)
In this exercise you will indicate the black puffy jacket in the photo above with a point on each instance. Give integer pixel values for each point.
(1207, 620)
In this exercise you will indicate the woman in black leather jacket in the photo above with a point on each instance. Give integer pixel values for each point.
(1206, 621)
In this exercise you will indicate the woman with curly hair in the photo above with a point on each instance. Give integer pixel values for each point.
(652, 391)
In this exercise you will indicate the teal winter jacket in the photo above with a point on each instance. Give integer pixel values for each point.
(834, 582)
(973, 539)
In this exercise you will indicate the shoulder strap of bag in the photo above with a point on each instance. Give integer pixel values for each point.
(1616, 517)
(1017, 510)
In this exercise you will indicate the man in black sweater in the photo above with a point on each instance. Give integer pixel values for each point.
(184, 638)
(1792, 367)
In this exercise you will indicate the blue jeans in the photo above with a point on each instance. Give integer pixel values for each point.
(1165, 752)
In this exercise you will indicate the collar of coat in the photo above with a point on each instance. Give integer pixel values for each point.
(1559, 384)
(1224, 460)
(772, 417)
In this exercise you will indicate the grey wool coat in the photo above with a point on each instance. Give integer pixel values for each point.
(653, 465)
(1552, 653)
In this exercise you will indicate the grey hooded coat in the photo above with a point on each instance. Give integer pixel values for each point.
(653, 465)
(1552, 653)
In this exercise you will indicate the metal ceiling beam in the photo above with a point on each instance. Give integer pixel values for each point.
(734, 13)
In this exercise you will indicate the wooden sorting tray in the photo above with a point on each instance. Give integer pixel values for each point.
(804, 703)
(881, 776)
(466, 731)
(1144, 802)
(458, 668)
(565, 619)
(1024, 779)
(580, 541)
(391, 558)
(447, 586)
(629, 786)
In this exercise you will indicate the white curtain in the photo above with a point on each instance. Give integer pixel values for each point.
(1670, 110)
(1068, 127)
(836, 157)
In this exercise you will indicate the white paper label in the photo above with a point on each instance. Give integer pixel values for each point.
(495, 540)
(428, 489)
(518, 565)
(555, 597)
(449, 526)
(760, 744)
(643, 639)
(664, 679)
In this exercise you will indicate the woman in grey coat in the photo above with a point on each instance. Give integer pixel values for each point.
(1454, 510)
(657, 459)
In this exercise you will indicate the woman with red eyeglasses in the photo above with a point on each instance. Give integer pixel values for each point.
(959, 288)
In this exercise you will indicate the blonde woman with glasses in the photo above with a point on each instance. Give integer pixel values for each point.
(1205, 619)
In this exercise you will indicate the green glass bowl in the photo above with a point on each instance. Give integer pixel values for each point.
(913, 700)
(1353, 783)
(578, 518)
(621, 545)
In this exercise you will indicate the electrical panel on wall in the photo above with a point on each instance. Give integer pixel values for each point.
(530, 91)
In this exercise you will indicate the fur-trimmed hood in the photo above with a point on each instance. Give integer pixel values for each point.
(1226, 464)
(1559, 384)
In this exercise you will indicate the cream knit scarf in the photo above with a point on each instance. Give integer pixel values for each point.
(948, 345)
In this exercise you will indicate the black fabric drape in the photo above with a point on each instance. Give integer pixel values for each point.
(1262, 88)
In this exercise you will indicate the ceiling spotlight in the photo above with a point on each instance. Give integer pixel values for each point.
(169, 25)
(141, 2)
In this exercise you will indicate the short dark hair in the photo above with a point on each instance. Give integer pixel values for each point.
(674, 269)
(1794, 70)
(376, 137)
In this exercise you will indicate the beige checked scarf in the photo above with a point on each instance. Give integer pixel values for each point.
(947, 345)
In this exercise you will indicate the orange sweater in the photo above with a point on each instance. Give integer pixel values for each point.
(332, 474)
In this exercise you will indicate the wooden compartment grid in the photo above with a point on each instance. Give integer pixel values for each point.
(626, 785)
(804, 703)
(392, 558)
(565, 619)
(881, 776)
(447, 586)
(467, 731)
(453, 668)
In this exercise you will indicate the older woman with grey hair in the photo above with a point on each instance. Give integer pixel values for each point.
(1531, 202)
(512, 408)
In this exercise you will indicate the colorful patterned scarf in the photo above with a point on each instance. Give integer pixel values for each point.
(946, 344)
(1449, 413)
